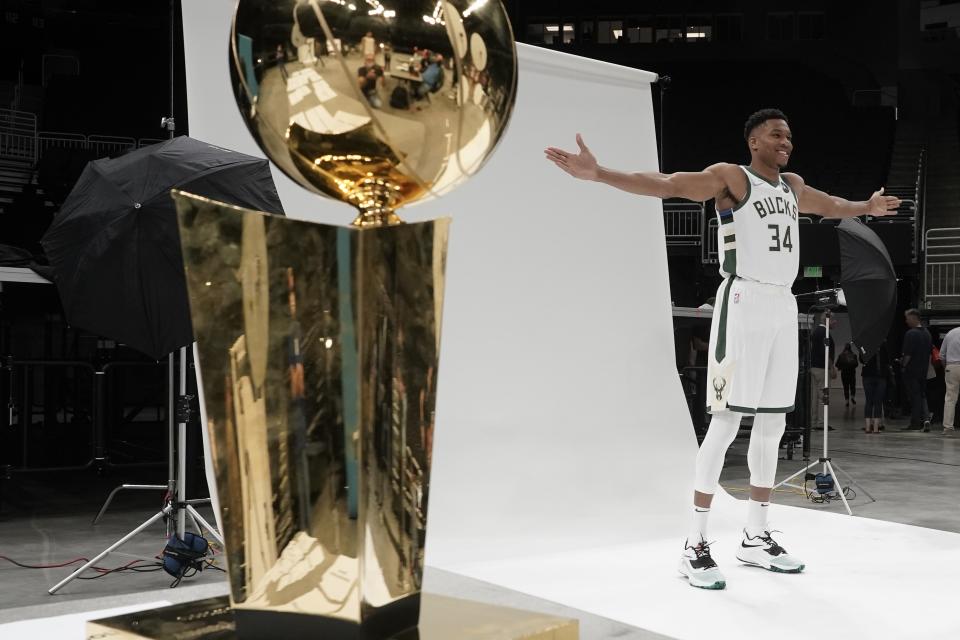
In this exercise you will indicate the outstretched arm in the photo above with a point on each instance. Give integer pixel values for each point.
(698, 186)
(814, 201)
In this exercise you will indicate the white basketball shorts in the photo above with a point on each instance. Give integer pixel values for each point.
(753, 361)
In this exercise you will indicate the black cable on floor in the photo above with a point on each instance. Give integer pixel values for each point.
(137, 569)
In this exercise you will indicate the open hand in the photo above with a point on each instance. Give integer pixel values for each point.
(881, 205)
(582, 165)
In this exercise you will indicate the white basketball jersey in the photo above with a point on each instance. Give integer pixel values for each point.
(758, 239)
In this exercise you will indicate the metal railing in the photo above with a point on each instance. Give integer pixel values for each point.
(941, 272)
(20, 139)
(104, 146)
(101, 146)
(62, 140)
(683, 223)
(18, 135)
(708, 251)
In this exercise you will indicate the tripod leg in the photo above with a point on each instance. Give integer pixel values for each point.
(103, 509)
(854, 483)
(106, 552)
(196, 525)
(829, 467)
(205, 524)
(786, 481)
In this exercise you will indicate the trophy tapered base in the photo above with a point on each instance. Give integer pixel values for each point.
(441, 618)
(383, 622)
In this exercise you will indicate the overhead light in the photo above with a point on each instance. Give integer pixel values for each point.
(437, 17)
(553, 28)
(696, 34)
(476, 4)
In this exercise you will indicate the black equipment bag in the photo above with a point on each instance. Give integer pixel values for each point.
(400, 98)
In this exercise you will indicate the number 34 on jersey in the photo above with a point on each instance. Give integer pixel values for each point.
(758, 237)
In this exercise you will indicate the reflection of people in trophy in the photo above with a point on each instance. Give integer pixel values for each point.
(296, 413)
(387, 54)
(427, 416)
(753, 351)
(281, 57)
(432, 77)
(368, 45)
(370, 79)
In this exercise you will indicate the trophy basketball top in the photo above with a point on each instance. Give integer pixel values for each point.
(375, 104)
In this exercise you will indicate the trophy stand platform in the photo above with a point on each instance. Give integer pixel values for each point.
(441, 618)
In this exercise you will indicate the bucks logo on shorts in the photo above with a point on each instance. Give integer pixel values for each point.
(719, 384)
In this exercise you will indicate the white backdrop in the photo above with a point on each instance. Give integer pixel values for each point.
(560, 422)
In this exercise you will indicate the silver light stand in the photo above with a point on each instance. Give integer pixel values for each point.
(168, 123)
(178, 507)
(825, 460)
(171, 468)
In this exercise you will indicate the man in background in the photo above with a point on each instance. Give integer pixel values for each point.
(432, 77)
(950, 357)
(917, 345)
(369, 78)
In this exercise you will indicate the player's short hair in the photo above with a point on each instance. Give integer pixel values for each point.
(758, 118)
(912, 312)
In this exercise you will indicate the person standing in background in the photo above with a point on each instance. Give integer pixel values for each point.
(281, 59)
(368, 45)
(917, 346)
(875, 372)
(370, 79)
(950, 357)
(847, 364)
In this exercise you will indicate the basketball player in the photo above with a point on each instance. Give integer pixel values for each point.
(752, 366)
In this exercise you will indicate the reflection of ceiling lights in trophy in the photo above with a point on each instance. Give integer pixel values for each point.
(437, 17)
(475, 5)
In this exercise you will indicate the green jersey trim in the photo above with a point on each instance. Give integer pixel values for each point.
(755, 174)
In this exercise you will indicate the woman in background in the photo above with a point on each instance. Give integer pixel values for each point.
(875, 372)
(847, 363)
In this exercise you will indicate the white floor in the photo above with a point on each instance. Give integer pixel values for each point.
(864, 579)
(70, 626)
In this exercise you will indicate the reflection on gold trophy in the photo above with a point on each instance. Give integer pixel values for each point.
(375, 105)
(318, 344)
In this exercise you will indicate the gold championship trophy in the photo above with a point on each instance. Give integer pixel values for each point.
(318, 345)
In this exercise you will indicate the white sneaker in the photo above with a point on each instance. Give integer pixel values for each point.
(699, 567)
(763, 551)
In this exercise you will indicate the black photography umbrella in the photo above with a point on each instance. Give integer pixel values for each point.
(114, 246)
(869, 283)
